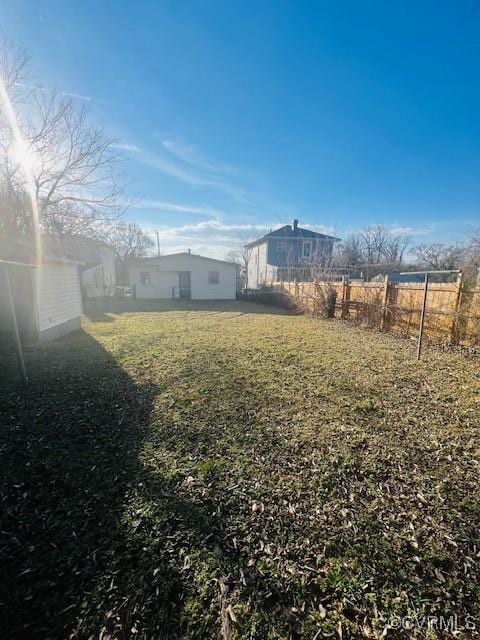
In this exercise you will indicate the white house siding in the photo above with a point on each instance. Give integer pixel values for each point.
(161, 284)
(257, 266)
(164, 275)
(224, 290)
(94, 255)
(108, 269)
(93, 282)
(271, 272)
(58, 297)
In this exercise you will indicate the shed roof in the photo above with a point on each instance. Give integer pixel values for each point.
(186, 254)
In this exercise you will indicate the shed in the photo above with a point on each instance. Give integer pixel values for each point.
(183, 275)
(47, 296)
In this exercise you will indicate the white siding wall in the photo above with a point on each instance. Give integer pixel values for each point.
(224, 290)
(257, 266)
(271, 273)
(109, 275)
(164, 276)
(161, 282)
(93, 281)
(58, 294)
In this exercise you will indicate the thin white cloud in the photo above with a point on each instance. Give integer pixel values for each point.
(186, 163)
(398, 230)
(173, 169)
(191, 155)
(125, 146)
(212, 229)
(172, 207)
(190, 175)
(69, 94)
(77, 96)
(212, 238)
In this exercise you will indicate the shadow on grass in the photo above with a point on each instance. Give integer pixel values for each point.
(96, 309)
(69, 469)
(96, 539)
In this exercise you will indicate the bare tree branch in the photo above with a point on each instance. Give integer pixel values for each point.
(75, 167)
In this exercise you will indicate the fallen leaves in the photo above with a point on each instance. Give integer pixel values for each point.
(188, 474)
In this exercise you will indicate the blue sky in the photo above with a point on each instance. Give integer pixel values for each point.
(238, 116)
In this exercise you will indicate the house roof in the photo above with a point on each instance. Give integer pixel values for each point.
(85, 249)
(155, 259)
(287, 231)
(23, 250)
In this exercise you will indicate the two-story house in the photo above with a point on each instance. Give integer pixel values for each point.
(287, 253)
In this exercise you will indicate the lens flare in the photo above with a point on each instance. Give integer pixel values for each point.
(25, 158)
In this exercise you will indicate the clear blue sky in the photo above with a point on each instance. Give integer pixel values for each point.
(238, 116)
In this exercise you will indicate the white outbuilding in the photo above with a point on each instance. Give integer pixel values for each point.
(46, 296)
(183, 275)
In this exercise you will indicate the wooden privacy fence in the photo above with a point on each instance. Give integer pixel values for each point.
(452, 309)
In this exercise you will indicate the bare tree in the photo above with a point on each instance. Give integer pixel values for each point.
(473, 234)
(349, 253)
(128, 242)
(374, 248)
(379, 245)
(241, 255)
(394, 249)
(75, 168)
(437, 256)
(374, 241)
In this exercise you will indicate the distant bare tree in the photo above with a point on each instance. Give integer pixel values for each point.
(394, 249)
(473, 234)
(374, 241)
(237, 256)
(373, 249)
(128, 242)
(349, 253)
(241, 255)
(379, 245)
(75, 168)
(438, 256)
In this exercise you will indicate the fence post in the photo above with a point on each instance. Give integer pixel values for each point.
(345, 296)
(455, 332)
(386, 290)
(422, 318)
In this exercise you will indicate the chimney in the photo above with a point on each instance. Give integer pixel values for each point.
(295, 225)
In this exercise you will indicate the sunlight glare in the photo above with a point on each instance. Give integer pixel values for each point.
(25, 158)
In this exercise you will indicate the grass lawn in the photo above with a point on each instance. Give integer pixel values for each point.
(227, 469)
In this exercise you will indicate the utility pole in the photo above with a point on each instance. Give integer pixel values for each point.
(158, 244)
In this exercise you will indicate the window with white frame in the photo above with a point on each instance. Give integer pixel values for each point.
(280, 247)
(307, 249)
(214, 277)
(145, 278)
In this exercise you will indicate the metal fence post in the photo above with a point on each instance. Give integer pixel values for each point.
(455, 333)
(385, 303)
(422, 318)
